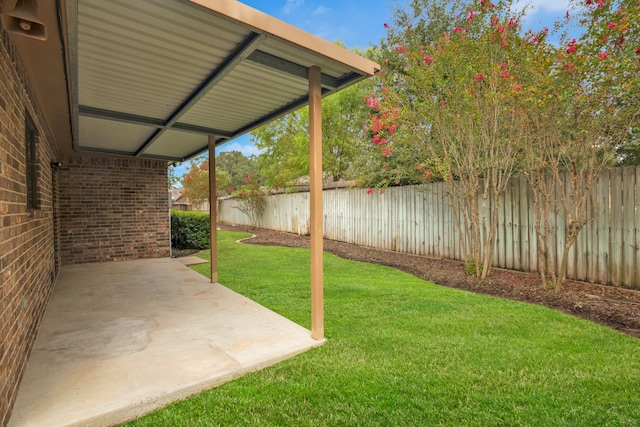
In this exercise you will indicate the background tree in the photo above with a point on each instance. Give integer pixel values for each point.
(250, 199)
(174, 181)
(237, 165)
(195, 183)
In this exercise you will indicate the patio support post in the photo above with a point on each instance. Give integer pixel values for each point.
(213, 209)
(315, 187)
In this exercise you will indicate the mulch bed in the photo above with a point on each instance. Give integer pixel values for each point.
(614, 307)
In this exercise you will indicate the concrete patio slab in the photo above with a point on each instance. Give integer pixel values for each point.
(121, 339)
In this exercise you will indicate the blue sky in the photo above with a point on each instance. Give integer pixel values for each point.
(360, 23)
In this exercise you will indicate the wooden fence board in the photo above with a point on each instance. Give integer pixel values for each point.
(628, 226)
(636, 222)
(616, 252)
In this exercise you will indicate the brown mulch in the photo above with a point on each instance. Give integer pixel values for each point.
(617, 308)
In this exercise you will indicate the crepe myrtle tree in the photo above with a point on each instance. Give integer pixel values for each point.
(580, 108)
(451, 96)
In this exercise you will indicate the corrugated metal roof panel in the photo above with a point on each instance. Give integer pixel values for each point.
(213, 67)
(109, 135)
(250, 91)
(175, 143)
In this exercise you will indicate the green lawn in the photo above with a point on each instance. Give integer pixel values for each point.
(405, 352)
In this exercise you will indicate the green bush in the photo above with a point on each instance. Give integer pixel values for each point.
(189, 230)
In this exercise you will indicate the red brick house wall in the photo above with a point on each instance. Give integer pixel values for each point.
(94, 208)
(28, 260)
(113, 209)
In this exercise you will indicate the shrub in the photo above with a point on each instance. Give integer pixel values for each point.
(190, 230)
(251, 199)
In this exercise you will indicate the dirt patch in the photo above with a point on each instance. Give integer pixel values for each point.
(613, 307)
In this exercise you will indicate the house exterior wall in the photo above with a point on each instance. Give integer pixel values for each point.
(113, 209)
(28, 259)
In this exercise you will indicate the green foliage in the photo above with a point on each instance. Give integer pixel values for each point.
(190, 230)
(404, 352)
(250, 199)
(174, 181)
(223, 182)
(237, 165)
(470, 268)
(195, 183)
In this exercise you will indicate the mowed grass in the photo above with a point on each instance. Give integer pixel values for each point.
(405, 352)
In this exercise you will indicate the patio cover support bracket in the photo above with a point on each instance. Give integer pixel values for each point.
(213, 210)
(315, 187)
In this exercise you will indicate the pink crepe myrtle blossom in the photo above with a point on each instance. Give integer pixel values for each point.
(571, 46)
(372, 102)
(457, 30)
(517, 86)
(387, 151)
(638, 51)
(505, 74)
(472, 14)
(386, 25)
(480, 76)
(377, 124)
(401, 49)
(427, 59)
(369, 190)
(603, 55)
(612, 25)
(489, 4)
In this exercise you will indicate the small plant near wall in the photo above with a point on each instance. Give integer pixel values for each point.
(251, 199)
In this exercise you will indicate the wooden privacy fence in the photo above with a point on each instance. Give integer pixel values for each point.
(419, 220)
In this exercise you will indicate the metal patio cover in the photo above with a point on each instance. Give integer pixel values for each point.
(155, 78)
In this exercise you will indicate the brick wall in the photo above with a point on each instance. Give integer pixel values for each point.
(112, 209)
(28, 262)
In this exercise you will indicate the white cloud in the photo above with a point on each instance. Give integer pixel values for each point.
(292, 5)
(321, 10)
(543, 6)
(246, 149)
